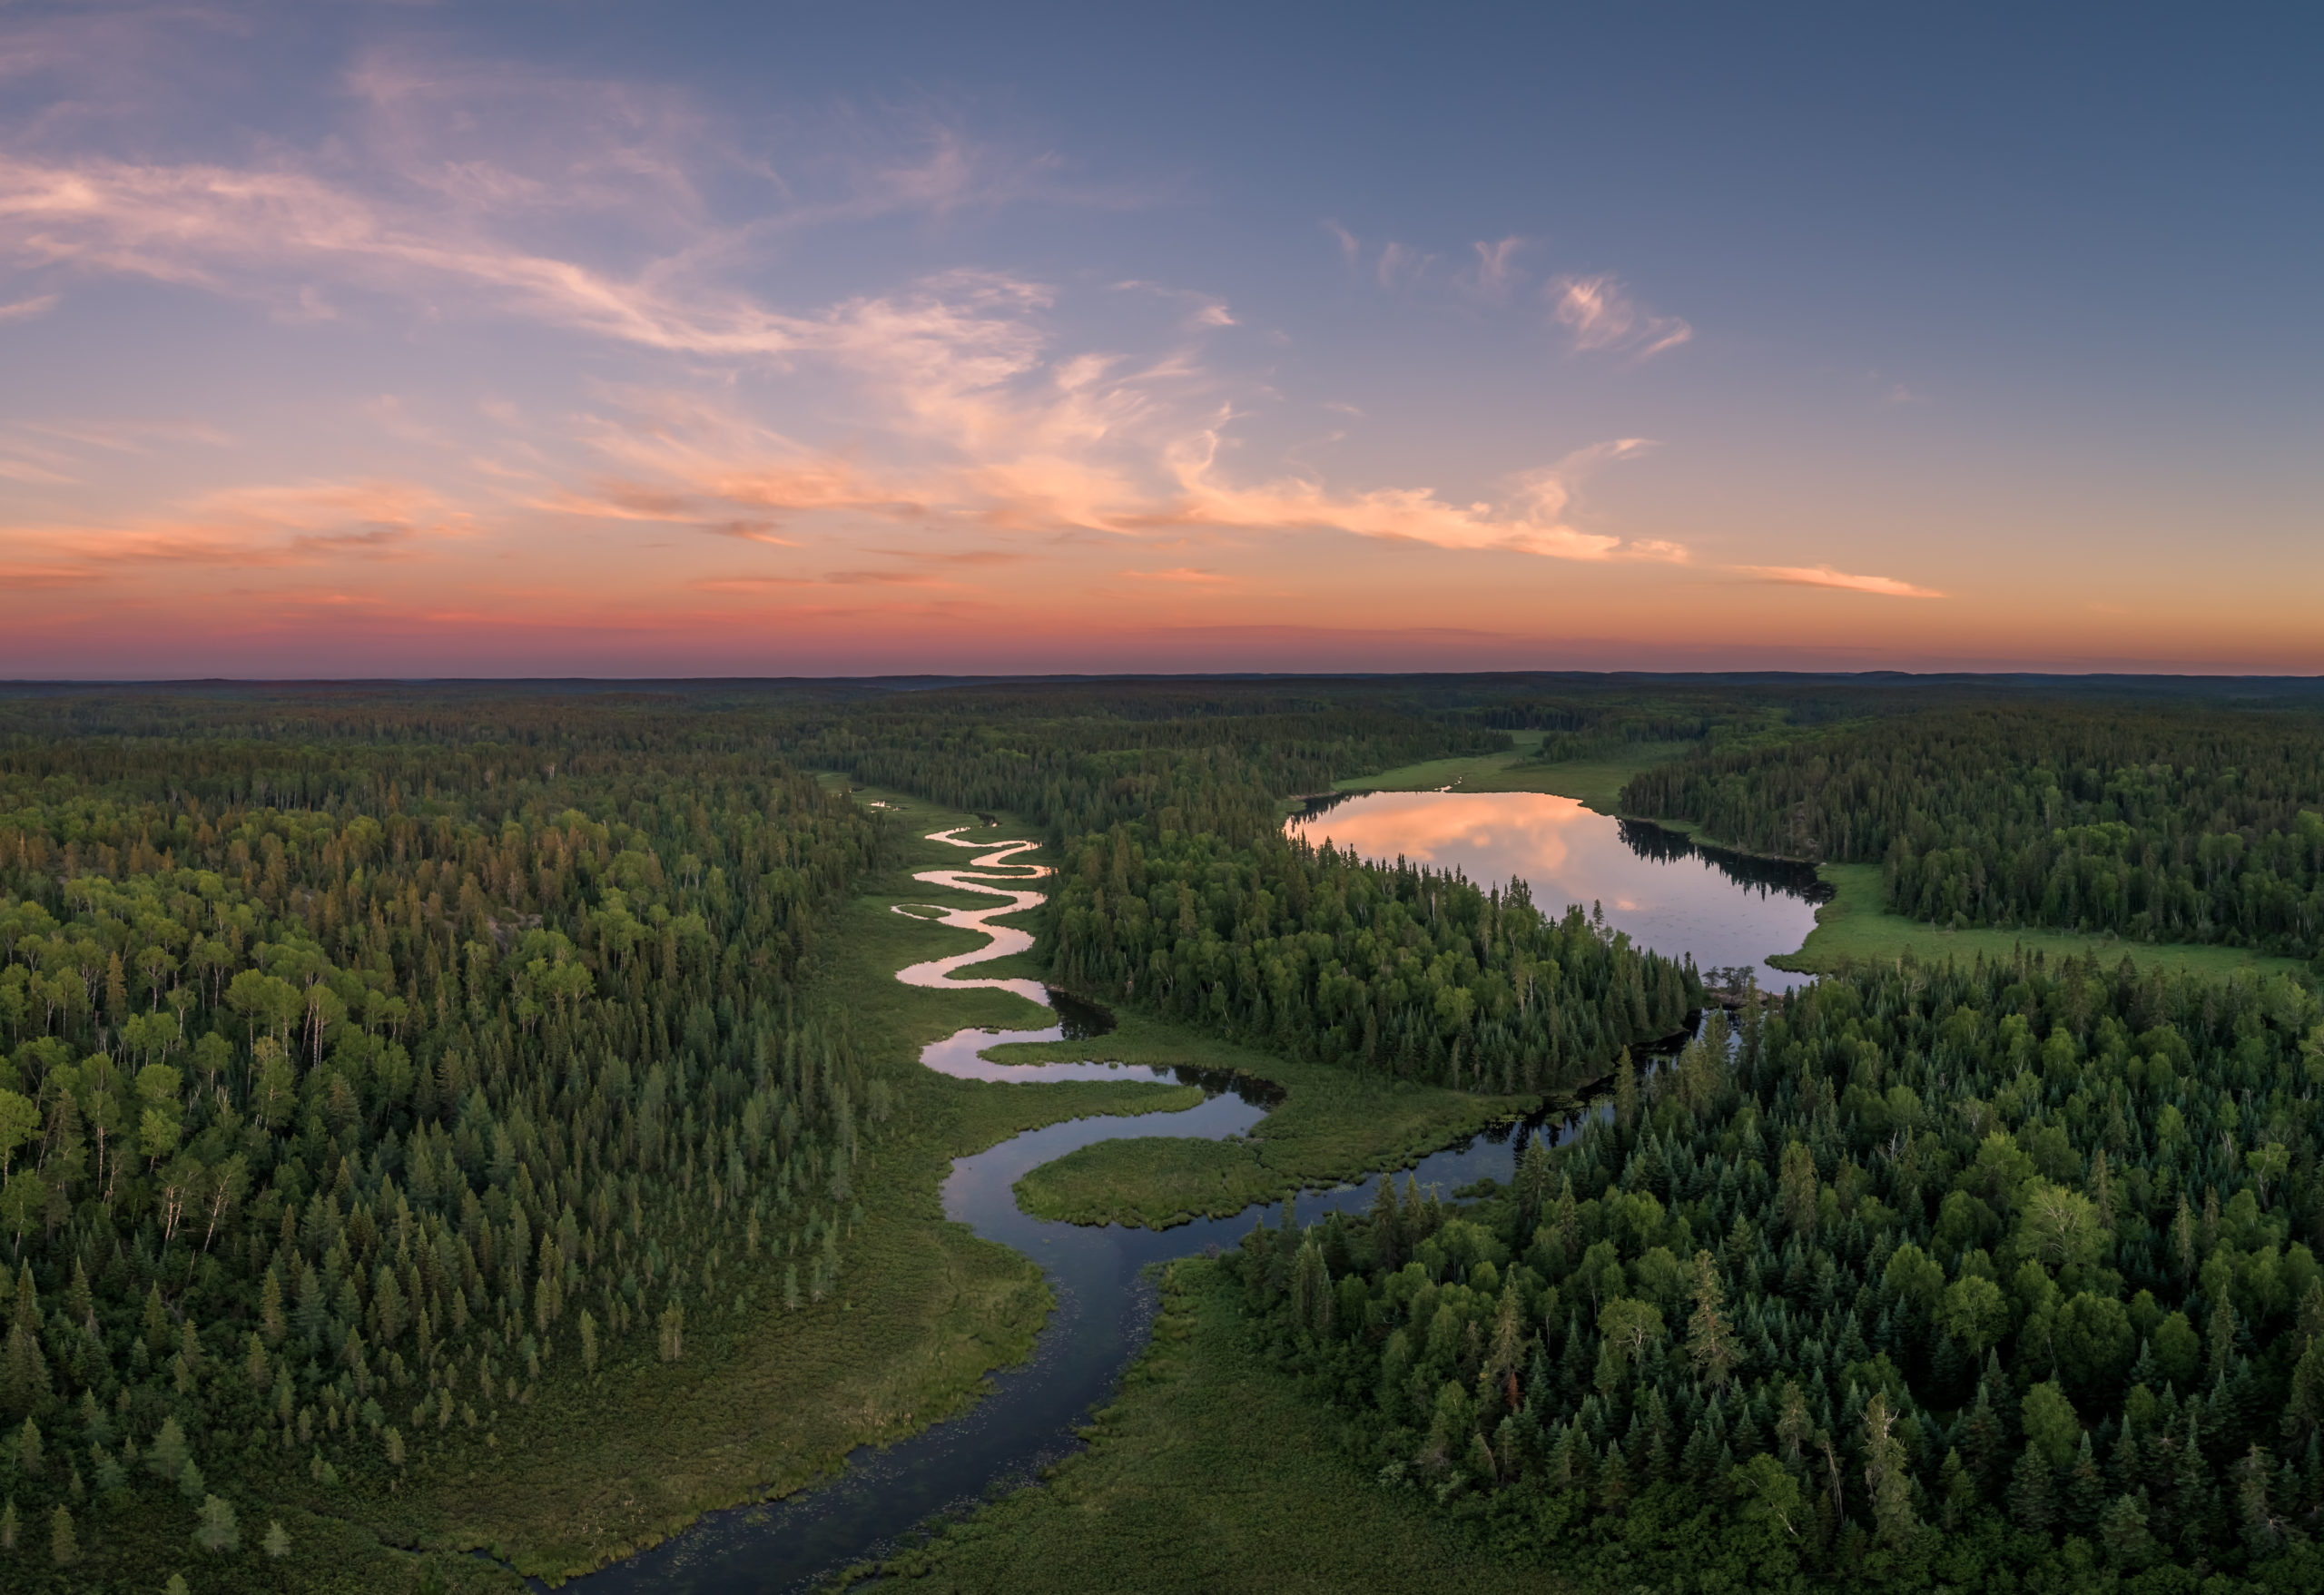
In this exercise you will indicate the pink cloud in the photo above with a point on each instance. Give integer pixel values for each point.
(1184, 576)
(1823, 576)
(1602, 315)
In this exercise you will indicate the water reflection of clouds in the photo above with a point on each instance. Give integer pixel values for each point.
(1652, 883)
(1425, 827)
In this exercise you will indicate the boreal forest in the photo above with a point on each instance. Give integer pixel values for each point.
(453, 1135)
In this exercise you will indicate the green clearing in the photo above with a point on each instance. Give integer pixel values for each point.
(766, 1401)
(1855, 925)
(1597, 781)
(1209, 1473)
(1332, 1126)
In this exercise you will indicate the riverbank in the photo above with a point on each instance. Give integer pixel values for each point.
(769, 1401)
(1209, 1473)
(1330, 1125)
(766, 1401)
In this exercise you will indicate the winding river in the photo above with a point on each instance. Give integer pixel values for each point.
(1103, 1311)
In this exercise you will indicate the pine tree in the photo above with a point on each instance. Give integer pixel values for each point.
(589, 1342)
(28, 1450)
(2262, 1528)
(80, 1302)
(1956, 1492)
(155, 1325)
(1711, 1342)
(1625, 1092)
(63, 1547)
(2182, 1240)
(2122, 1533)
(1387, 1240)
(8, 1525)
(271, 1326)
(1887, 1475)
(23, 1367)
(1532, 1182)
(2032, 1504)
(278, 1543)
(168, 1457)
(2085, 1488)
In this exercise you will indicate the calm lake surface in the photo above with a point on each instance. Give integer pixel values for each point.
(1728, 910)
(1105, 1300)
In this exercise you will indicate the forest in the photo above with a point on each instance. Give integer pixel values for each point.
(390, 1078)
(1917, 1278)
(2173, 823)
(350, 1095)
(1392, 968)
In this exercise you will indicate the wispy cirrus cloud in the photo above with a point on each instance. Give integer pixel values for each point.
(1496, 272)
(1181, 575)
(1599, 314)
(255, 527)
(1203, 312)
(30, 577)
(1390, 265)
(25, 309)
(948, 405)
(1531, 522)
(1825, 575)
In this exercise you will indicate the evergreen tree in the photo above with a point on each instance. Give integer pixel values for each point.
(217, 1532)
(1710, 1344)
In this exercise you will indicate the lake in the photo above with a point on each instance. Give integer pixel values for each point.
(1727, 910)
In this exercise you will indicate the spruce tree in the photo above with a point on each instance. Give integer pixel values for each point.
(2032, 1503)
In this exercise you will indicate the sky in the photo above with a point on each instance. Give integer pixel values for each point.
(581, 339)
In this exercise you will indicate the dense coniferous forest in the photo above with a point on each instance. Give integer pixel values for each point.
(2163, 824)
(1319, 955)
(1912, 1281)
(349, 1095)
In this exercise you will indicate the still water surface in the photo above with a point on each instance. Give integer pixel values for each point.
(1728, 910)
(1104, 1307)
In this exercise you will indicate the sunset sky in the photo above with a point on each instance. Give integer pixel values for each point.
(672, 339)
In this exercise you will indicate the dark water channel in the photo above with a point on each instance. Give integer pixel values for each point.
(1104, 1307)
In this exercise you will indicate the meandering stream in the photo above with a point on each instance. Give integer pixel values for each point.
(1103, 1312)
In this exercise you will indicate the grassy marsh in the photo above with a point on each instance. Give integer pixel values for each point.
(1209, 1473)
(1856, 924)
(1332, 1126)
